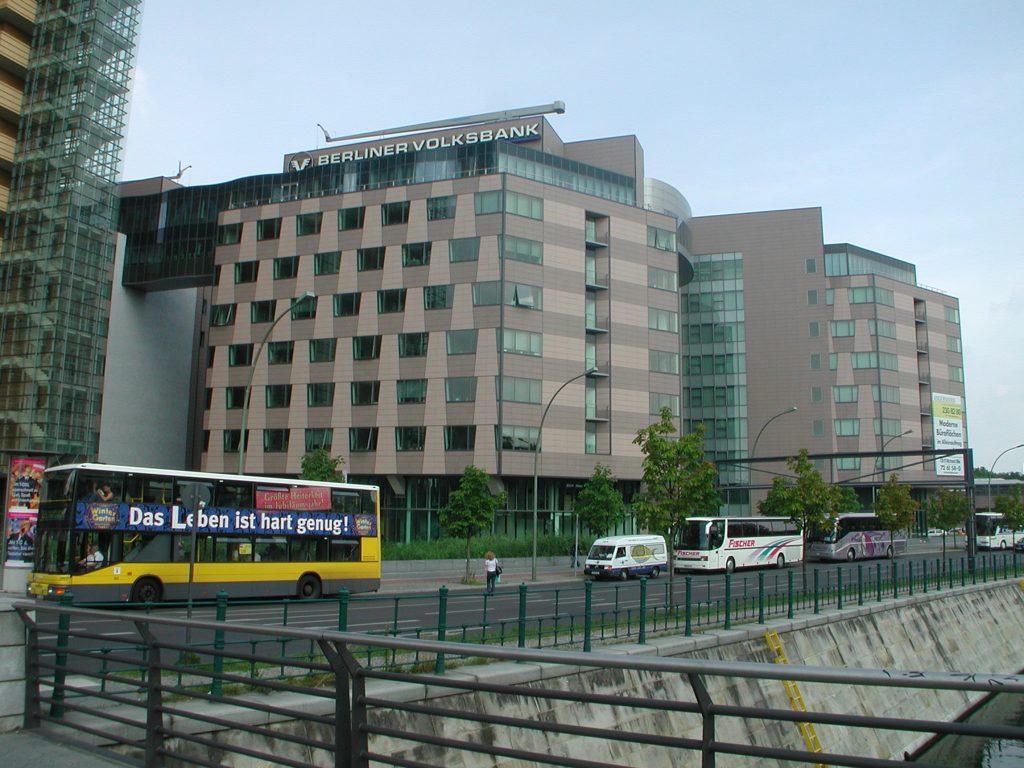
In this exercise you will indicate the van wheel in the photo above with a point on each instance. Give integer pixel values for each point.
(623, 574)
(655, 572)
(1002, 544)
(309, 587)
(888, 553)
(146, 591)
(730, 565)
(851, 554)
(780, 562)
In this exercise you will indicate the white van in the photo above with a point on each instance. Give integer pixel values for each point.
(619, 557)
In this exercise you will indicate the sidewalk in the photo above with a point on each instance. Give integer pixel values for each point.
(431, 575)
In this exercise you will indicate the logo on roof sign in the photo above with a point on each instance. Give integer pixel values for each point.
(301, 161)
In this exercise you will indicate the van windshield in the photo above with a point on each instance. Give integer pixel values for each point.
(601, 552)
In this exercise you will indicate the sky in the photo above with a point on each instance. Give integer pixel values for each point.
(902, 120)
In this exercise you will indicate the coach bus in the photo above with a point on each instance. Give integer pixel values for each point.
(855, 536)
(993, 532)
(728, 543)
(117, 533)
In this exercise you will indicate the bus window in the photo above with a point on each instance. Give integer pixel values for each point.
(90, 551)
(232, 550)
(346, 502)
(99, 487)
(345, 550)
(144, 547)
(303, 550)
(714, 536)
(229, 494)
(271, 550)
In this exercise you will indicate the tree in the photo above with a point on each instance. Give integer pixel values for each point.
(318, 464)
(1010, 507)
(678, 482)
(807, 500)
(895, 507)
(599, 503)
(470, 508)
(947, 509)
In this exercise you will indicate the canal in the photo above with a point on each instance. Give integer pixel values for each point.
(975, 752)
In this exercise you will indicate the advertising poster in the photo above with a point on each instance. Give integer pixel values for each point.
(25, 480)
(948, 425)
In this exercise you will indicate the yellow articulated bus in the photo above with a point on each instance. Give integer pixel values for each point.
(114, 533)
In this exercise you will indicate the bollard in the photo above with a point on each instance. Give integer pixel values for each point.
(839, 587)
(643, 610)
(728, 600)
(910, 578)
(860, 583)
(689, 607)
(789, 613)
(216, 685)
(442, 629)
(878, 580)
(760, 597)
(343, 597)
(588, 587)
(817, 591)
(895, 580)
(522, 615)
(60, 662)
(924, 576)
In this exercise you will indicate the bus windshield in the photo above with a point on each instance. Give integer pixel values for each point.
(700, 534)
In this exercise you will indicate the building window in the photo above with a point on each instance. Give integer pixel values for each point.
(522, 342)
(663, 362)
(529, 206)
(286, 267)
(410, 438)
(262, 311)
(239, 354)
(815, 394)
(847, 427)
(394, 213)
(370, 259)
(275, 440)
(322, 350)
(487, 202)
(830, 296)
(224, 314)
(833, 361)
(308, 223)
(319, 437)
(888, 427)
(522, 295)
(328, 263)
(362, 439)
(411, 391)
(514, 389)
(280, 352)
(234, 398)
(870, 294)
(441, 208)
(952, 315)
(487, 293)
(268, 229)
(662, 320)
(390, 300)
(460, 438)
(460, 389)
(464, 249)
(662, 239)
(351, 218)
(848, 463)
(956, 373)
(845, 394)
(513, 438)
(884, 360)
(521, 249)
(842, 328)
(346, 304)
(305, 309)
(365, 347)
(413, 344)
(812, 296)
(247, 271)
(590, 438)
(461, 342)
(884, 393)
(320, 394)
(817, 428)
(815, 361)
(885, 328)
(232, 440)
(810, 266)
(659, 401)
(415, 254)
(438, 296)
(365, 392)
(813, 329)
(277, 395)
(953, 344)
(229, 234)
(662, 279)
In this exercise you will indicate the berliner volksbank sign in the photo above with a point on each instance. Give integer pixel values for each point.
(524, 131)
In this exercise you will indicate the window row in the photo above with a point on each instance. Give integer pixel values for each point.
(360, 439)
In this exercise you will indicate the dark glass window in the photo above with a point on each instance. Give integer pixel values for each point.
(365, 392)
(461, 438)
(391, 300)
(394, 213)
(460, 389)
(320, 394)
(280, 352)
(231, 440)
(278, 395)
(308, 223)
(229, 234)
(222, 314)
(247, 271)
(275, 440)
(262, 311)
(438, 296)
(464, 249)
(346, 304)
(441, 208)
(286, 267)
(487, 202)
(365, 347)
(319, 438)
(412, 391)
(415, 254)
(461, 342)
(486, 294)
(268, 229)
(410, 438)
(351, 218)
(413, 344)
(327, 263)
(368, 259)
(304, 310)
(322, 350)
(239, 354)
(362, 439)
(234, 397)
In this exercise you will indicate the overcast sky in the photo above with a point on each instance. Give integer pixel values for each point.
(903, 121)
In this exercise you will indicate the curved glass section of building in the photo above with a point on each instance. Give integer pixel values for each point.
(843, 259)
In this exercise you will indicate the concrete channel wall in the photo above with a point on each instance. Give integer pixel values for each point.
(971, 629)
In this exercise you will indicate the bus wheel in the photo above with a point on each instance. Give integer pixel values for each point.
(309, 587)
(655, 572)
(730, 565)
(851, 554)
(781, 561)
(146, 591)
(1002, 544)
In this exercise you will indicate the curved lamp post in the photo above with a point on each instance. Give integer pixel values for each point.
(992, 471)
(252, 372)
(753, 450)
(885, 443)
(536, 453)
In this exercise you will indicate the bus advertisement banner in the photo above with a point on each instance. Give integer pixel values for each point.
(25, 476)
(161, 518)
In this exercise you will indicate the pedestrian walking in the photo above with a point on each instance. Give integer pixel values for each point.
(493, 570)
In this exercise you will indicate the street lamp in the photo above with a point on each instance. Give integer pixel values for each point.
(753, 450)
(885, 443)
(992, 471)
(536, 452)
(252, 372)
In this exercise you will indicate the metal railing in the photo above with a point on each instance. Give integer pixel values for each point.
(158, 699)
